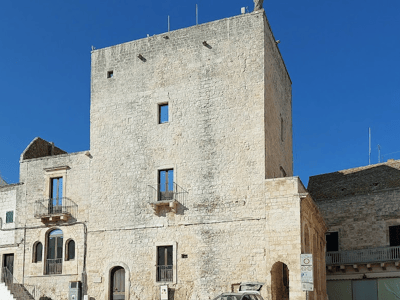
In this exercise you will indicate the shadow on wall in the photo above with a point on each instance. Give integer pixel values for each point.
(355, 181)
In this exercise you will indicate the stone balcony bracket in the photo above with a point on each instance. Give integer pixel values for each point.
(170, 205)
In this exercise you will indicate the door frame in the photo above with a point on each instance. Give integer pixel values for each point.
(108, 279)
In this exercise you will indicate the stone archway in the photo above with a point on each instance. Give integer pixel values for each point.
(280, 281)
(117, 283)
(110, 270)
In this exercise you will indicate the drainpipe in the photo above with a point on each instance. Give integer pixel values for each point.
(23, 263)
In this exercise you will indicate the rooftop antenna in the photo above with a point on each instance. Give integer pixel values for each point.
(197, 15)
(379, 154)
(369, 150)
(168, 23)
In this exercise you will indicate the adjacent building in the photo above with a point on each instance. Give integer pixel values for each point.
(361, 207)
(188, 183)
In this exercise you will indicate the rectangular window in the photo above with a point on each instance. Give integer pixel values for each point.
(166, 184)
(332, 241)
(394, 235)
(10, 217)
(164, 264)
(163, 113)
(110, 74)
(56, 195)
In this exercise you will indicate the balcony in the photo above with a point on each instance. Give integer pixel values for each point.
(54, 210)
(364, 256)
(164, 196)
(53, 266)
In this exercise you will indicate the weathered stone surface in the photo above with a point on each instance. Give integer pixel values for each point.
(228, 140)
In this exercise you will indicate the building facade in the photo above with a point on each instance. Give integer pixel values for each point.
(188, 183)
(362, 211)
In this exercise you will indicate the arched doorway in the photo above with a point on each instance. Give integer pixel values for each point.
(280, 281)
(117, 285)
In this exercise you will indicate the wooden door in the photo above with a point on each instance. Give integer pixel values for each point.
(118, 283)
(9, 262)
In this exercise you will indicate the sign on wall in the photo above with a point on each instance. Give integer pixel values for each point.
(307, 272)
(164, 292)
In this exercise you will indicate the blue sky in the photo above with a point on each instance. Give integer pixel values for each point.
(342, 56)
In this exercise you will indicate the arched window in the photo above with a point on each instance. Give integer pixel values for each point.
(70, 250)
(37, 252)
(54, 252)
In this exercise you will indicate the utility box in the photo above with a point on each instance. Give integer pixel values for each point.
(75, 288)
(164, 292)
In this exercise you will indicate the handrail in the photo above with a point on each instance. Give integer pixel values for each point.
(371, 255)
(15, 288)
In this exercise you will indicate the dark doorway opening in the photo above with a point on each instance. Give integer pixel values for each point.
(117, 283)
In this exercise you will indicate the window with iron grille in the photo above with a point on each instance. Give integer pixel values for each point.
(9, 217)
(164, 263)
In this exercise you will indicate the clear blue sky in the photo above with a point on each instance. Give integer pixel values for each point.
(342, 56)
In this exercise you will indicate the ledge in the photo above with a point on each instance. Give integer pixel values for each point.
(55, 218)
(171, 204)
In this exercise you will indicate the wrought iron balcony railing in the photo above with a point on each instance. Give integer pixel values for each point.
(165, 273)
(170, 192)
(51, 207)
(373, 255)
(54, 266)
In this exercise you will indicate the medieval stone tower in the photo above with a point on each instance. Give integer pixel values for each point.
(187, 186)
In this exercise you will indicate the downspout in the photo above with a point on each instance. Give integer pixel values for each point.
(23, 263)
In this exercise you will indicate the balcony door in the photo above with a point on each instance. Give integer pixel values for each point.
(56, 195)
(166, 184)
(54, 252)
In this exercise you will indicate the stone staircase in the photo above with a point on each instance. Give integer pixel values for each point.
(10, 289)
(5, 294)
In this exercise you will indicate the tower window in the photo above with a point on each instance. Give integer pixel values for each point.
(10, 217)
(332, 241)
(164, 263)
(110, 74)
(163, 114)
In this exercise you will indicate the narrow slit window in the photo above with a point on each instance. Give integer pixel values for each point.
(10, 217)
(70, 250)
(37, 252)
(163, 114)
